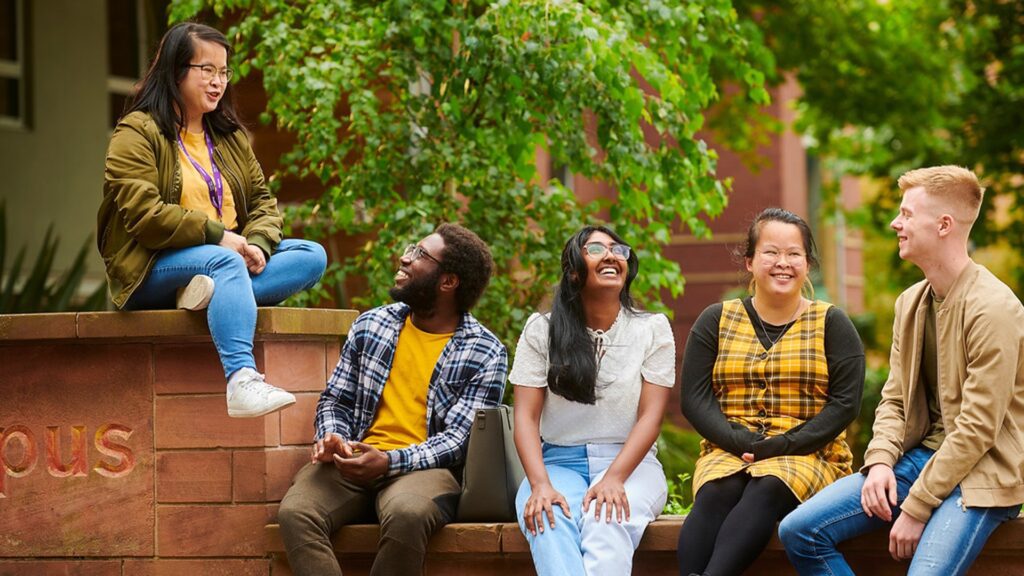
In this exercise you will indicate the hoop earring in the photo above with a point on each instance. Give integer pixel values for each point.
(752, 287)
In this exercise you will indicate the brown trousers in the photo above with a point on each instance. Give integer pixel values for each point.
(409, 507)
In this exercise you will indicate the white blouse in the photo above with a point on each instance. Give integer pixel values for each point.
(638, 347)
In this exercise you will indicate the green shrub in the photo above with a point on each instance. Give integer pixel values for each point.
(680, 495)
(38, 292)
(678, 449)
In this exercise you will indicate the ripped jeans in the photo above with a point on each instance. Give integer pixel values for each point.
(952, 539)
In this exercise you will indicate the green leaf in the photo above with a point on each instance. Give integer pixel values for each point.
(407, 114)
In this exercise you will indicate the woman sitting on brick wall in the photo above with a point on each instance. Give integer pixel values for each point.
(592, 379)
(187, 218)
(771, 382)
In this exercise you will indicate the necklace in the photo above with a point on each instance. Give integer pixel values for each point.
(785, 328)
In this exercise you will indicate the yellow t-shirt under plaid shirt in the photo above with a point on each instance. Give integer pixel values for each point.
(401, 418)
(772, 391)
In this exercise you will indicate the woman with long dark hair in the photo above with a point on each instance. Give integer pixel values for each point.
(771, 381)
(187, 219)
(592, 379)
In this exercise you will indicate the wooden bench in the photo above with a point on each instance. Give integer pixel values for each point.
(500, 548)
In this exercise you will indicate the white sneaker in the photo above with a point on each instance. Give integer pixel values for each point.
(250, 396)
(196, 295)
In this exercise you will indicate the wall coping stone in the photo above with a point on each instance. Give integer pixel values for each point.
(661, 536)
(161, 325)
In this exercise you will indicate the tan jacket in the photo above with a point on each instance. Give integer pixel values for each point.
(140, 213)
(980, 345)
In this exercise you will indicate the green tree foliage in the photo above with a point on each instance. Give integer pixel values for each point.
(415, 112)
(678, 449)
(892, 86)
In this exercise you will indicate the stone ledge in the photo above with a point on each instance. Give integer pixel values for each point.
(118, 458)
(179, 325)
(660, 536)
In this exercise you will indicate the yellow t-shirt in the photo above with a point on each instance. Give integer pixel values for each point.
(401, 419)
(195, 194)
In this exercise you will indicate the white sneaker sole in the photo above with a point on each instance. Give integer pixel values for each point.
(197, 294)
(269, 409)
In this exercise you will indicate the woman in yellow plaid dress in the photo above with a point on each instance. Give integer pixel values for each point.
(771, 382)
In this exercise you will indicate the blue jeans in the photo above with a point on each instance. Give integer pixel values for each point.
(583, 546)
(952, 539)
(296, 265)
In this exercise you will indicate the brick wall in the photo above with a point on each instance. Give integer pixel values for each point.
(117, 456)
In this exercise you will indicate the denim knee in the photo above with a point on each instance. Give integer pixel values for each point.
(319, 256)
(318, 263)
(793, 534)
(311, 252)
(226, 261)
(623, 531)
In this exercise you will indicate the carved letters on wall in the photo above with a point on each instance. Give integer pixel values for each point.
(20, 450)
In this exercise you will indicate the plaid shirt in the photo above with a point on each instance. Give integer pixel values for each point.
(470, 374)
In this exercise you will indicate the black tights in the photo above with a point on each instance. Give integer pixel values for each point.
(744, 511)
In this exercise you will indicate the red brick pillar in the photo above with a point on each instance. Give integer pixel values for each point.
(116, 452)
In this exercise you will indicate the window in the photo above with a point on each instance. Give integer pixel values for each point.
(134, 29)
(13, 84)
(563, 174)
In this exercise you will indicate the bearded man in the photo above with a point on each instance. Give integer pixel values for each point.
(395, 417)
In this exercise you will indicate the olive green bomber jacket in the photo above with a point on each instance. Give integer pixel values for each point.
(980, 341)
(140, 213)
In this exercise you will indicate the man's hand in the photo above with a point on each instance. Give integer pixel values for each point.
(904, 536)
(325, 448)
(365, 465)
(878, 495)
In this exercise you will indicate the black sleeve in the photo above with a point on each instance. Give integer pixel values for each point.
(699, 404)
(844, 353)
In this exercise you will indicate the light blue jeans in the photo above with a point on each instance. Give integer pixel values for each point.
(583, 546)
(952, 539)
(296, 265)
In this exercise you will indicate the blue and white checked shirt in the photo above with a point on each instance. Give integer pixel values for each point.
(469, 374)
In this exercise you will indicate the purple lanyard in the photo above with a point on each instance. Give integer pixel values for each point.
(215, 183)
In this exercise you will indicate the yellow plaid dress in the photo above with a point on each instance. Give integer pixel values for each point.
(770, 392)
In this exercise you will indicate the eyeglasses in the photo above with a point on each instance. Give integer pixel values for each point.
(596, 249)
(774, 256)
(414, 251)
(209, 71)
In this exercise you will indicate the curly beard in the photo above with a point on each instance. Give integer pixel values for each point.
(419, 293)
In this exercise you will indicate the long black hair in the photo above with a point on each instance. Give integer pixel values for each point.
(573, 363)
(159, 94)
